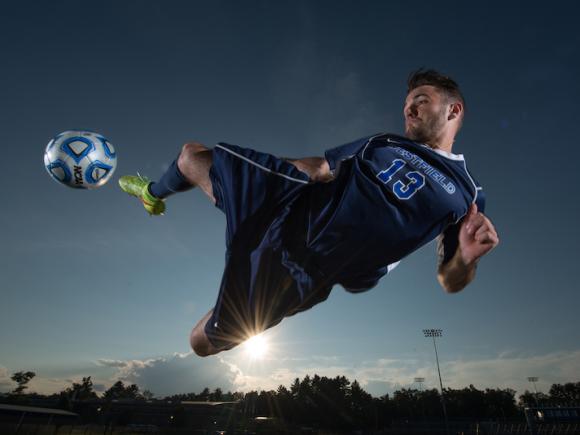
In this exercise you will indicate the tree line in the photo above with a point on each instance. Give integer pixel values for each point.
(336, 403)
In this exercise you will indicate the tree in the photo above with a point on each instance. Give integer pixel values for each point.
(466, 403)
(530, 399)
(82, 391)
(204, 395)
(362, 408)
(119, 391)
(569, 392)
(501, 402)
(22, 378)
(284, 404)
(407, 401)
(217, 395)
(147, 395)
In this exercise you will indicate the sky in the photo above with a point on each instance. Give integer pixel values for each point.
(90, 285)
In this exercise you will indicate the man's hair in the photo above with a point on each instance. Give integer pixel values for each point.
(445, 84)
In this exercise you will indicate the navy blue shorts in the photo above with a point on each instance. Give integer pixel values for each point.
(258, 290)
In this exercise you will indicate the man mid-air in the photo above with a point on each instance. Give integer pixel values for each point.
(296, 228)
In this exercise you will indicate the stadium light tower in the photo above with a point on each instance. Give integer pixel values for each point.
(438, 333)
(420, 382)
(533, 380)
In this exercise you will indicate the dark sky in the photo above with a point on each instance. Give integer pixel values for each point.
(89, 283)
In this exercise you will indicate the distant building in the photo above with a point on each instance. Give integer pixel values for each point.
(14, 417)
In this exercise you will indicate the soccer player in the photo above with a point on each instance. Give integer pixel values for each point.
(296, 228)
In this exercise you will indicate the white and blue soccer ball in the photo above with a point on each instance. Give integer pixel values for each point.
(80, 159)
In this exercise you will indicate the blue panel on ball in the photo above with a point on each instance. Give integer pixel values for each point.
(109, 151)
(77, 155)
(89, 177)
(53, 141)
(59, 164)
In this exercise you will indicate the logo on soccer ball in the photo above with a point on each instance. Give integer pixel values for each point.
(80, 159)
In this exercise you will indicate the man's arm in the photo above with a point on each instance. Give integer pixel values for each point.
(477, 236)
(317, 168)
(323, 169)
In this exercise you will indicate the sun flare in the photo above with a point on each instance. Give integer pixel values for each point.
(256, 346)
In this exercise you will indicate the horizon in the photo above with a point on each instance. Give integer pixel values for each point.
(93, 286)
(415, 387)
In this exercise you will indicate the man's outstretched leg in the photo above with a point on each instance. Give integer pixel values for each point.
(189, 170)
(249, 186)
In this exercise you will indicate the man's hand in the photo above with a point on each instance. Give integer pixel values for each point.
(477, 236)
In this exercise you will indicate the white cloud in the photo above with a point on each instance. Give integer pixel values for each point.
(6, 383)
(131, 369)
(383, 376)
(178, 373)
(50, 385)
(512, 370)
(47, 385)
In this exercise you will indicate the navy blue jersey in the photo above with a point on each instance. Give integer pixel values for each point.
(289, 240)
(390, 196)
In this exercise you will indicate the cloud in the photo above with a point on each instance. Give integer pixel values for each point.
(129, 369)
(384, 376)
(231, 371)
(6, 383)
(178, 373)
(512, 370)
(36, 384)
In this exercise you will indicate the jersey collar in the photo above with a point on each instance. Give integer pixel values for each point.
(458, 157)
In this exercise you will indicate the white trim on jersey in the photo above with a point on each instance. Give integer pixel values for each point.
(392, 266)
(362, 155)
(450, 156)
(262, 167)
(477, 188)
(442, 153)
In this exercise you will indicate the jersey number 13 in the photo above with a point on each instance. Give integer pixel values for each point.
(403, 188)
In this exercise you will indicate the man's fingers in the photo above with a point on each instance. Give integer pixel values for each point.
(486, 234)
(474, 222)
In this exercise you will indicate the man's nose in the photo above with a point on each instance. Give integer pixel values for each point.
(411, 111)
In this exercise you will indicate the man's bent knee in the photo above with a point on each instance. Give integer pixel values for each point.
(189, 156)
(200, 343)
(191, 148)
(194, 163)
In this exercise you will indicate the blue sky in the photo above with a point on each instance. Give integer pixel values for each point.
(92, 286)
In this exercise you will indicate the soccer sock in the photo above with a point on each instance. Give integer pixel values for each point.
(172, 181)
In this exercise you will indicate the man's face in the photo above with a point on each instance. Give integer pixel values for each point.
(425, 114)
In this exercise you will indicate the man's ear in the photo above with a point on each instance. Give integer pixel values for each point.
(455, 110)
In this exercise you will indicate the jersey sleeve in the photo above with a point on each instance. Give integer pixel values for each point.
(335, 156)
(363, 282)
(448, 241)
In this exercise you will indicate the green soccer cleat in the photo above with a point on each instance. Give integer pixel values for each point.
(138, 186)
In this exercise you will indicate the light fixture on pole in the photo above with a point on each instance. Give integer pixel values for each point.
(420, 395)
(420, 382)
(533, 380)
(438, 333)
